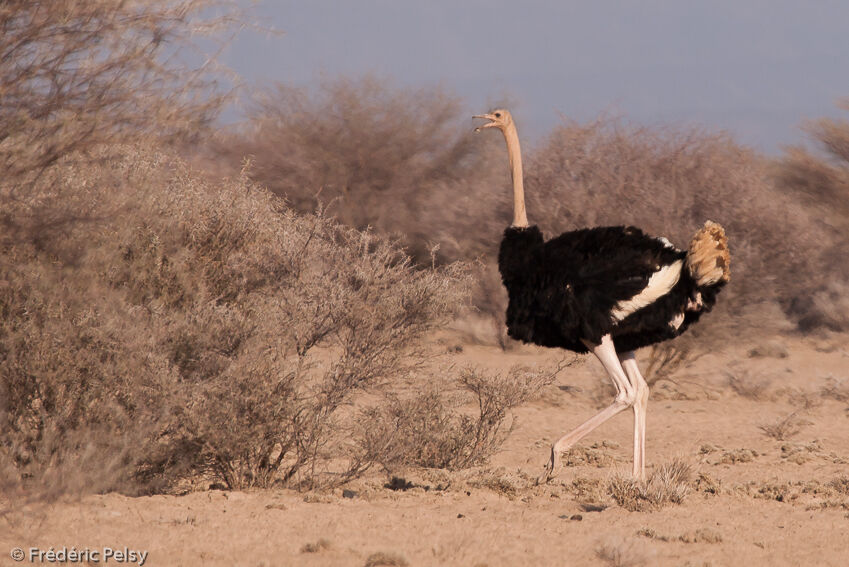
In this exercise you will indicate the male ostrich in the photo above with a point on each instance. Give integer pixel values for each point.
(606, 290)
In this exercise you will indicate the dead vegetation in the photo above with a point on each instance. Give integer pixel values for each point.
(737, 456)
(701, 535)
(748, 383)
(668, 484)
(200, 306)
(840, 485)
(386, 159)
(605, 163)
(785, 427)
(819, 179)
(428, 430)
(589, 491)
(836, 389)
(162, 332)
(404, 161)
(385, 559)
(666, 358)
(75, 76)
(321, 545)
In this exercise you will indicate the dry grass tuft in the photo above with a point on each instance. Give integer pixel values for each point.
(708, 485)
(589, 491)
(736, 456)
(785, 427)
(669, 484)
(701, 535)
(383, 559)
(840, 485)
(321, 545)
(777, 492)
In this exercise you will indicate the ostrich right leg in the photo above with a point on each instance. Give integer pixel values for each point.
(625, 397)
(641, 400)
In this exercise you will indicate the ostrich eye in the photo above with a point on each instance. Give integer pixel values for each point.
(498, 115)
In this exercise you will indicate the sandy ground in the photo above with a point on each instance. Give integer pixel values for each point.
(753, 500)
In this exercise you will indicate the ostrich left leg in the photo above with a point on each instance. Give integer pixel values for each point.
(641, 399)
(626, 394)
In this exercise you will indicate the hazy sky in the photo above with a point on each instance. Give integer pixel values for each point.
(756, 68)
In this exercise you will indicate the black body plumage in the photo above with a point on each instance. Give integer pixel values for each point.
(566, 289)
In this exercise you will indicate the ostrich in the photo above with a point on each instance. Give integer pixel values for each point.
(606, 290)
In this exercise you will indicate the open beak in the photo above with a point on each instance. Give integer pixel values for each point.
(489, 124)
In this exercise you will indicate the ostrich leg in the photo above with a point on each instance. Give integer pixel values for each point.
(629, 364)
(625, 397)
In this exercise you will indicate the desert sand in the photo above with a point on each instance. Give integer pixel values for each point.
(752, 499)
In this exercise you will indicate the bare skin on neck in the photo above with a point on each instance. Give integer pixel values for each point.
(502, 120)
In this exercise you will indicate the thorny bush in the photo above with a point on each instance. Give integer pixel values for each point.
(189, 330)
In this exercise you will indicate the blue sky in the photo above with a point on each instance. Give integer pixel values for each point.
(757, 68)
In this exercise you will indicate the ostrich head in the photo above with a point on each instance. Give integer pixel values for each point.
(498, 118)
(502, 120)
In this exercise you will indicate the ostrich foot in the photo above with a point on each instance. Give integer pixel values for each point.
(550, 469)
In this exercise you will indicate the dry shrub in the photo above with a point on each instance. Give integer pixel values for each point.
(77, 75)
(404, 161)
(786, 427)
(432, 428)
(193, 329)
(668, 181)
(668, 484)
(836, 389)
(748, 384)
(667, 358)
(820, 180)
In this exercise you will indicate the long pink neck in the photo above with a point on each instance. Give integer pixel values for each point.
(514, 151)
